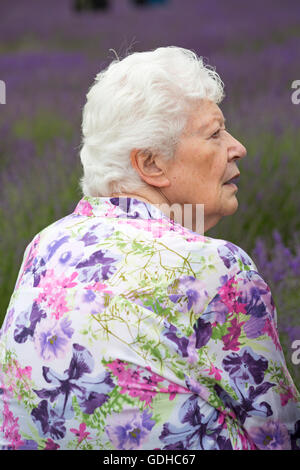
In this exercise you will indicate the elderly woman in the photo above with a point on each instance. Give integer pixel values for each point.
(128, 328)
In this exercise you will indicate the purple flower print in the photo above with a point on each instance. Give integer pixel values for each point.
(203, 332)
(130, 430)
(98, 267)
(188, 292)
(93, 298)
(28, 444)
(216, 311)
(54, 245)
(37, 270)
(272, 435)
(173, 334)
(248, 404)
(131, 208)
(245, 366)
(62, 253)
(230, 252)
(90, 238)
(93, 236)
(226, 256)
(256, 295)
(91, 392)
(52, 338)
(197, 388)
(26, 323)
(48, 421)
(196, 430)
(254, 327)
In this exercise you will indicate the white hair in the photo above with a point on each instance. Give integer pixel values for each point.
(140, 102)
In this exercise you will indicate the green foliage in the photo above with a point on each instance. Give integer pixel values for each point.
(42, 128)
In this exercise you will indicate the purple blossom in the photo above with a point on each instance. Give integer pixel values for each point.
(249, 400)
(188, 292)
(245, 366)
(91, 392)
(254, 327)
(48, 420)
(130, 430)
(216, 311)
(271, 435)
(203, 331)
(174, 335)
(100, 267)
(103, 231)
(54, 245)
(28, 444)
(26, 323)
(52, 338)
(256, 295)
(196, 431)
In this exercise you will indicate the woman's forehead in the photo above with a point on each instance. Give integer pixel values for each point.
(204, 115)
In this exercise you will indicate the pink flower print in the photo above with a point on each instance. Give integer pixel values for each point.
(84, 208)
(271, 331)
(10, 428)
(157, 227)
(20, 373)
(173, 389)
(246, 442)
(288, 393)
(229, 295)
(215, 372)
(231, 339)
(50, 445)
(117, 367)
(54, 292)
(111, 210)
(222, 421)
(155, 378)
(197, 388)
(131, 382)
(99, 287)
(80, 433)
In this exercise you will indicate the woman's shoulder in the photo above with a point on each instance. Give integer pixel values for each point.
(230, 252)
(226, 251)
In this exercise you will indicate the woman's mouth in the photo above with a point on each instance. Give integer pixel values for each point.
(233, 181)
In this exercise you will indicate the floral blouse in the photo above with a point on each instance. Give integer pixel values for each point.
(128, 331)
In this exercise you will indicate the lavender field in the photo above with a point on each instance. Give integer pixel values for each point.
(49, 56)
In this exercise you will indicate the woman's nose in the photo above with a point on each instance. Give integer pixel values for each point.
(236, 148)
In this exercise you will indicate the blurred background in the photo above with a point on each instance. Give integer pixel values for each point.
(50, 53)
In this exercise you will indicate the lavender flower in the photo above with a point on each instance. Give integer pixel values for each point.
(91, 392)
(130, 430)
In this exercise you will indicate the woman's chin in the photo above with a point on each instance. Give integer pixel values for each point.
(232, 207)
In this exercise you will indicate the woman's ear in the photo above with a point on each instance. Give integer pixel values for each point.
(150, 167)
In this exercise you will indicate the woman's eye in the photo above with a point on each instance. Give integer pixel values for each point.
(216, 134)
